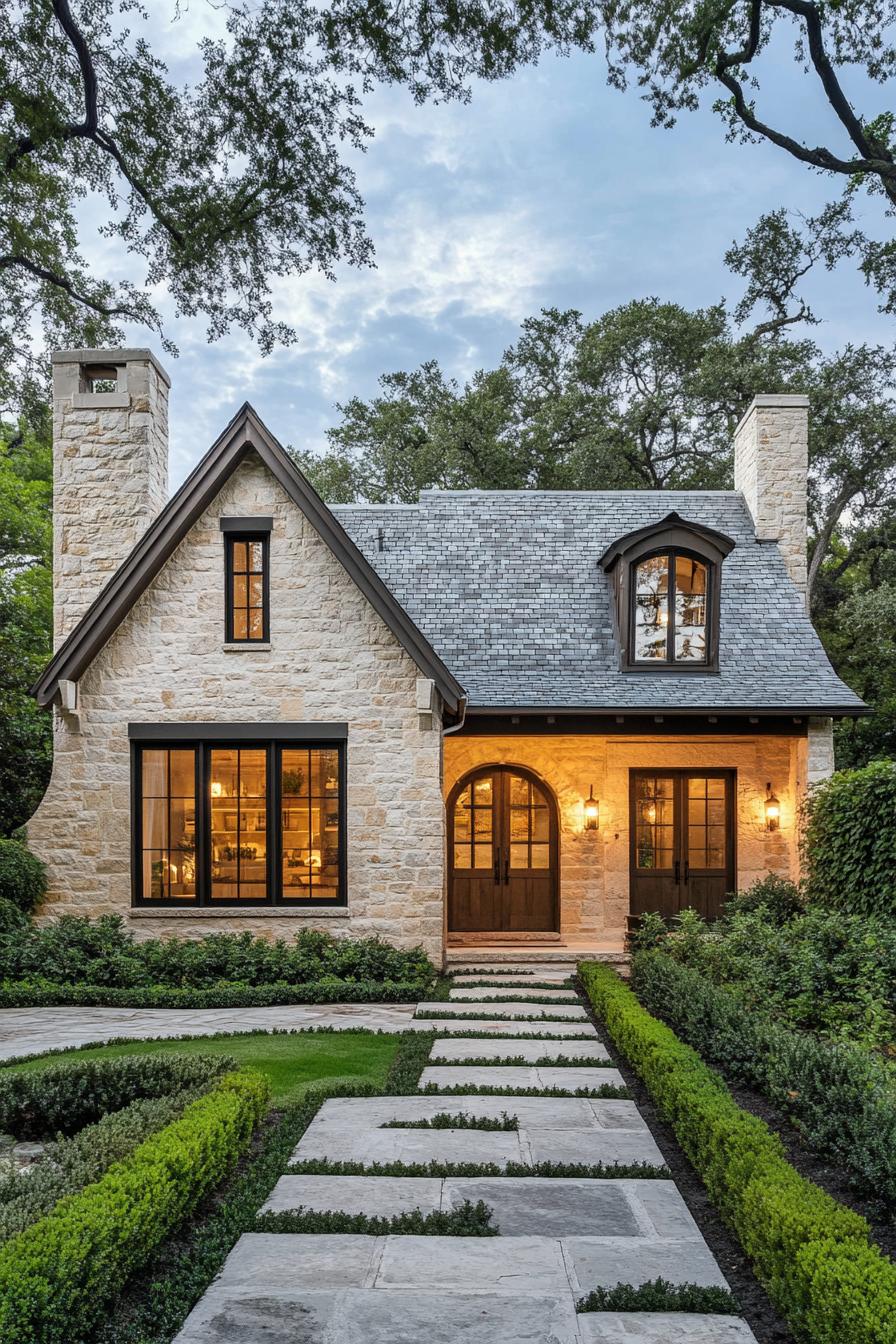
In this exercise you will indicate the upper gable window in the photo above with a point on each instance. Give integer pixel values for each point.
(669, 609)
(247, 580)
(667, 583)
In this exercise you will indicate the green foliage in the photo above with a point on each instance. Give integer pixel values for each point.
(26, 616)
(467, 1220)
(850, 840)
(604, 1092)
(780, 899)
(63, 1098)
(660, 1295)
(841, 1097)
(59, 1275)
(23, 878)
(78, 960)
(651, 931)
(446, 1121)
(576, 1171)
(70, 1164)
(812, 1254)
(824, 970)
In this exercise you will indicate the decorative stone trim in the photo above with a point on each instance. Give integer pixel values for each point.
(246, 647)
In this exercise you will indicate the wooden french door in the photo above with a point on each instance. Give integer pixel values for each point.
(682, 840)
(502, 854)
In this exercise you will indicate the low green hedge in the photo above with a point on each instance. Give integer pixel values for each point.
(63, 1098)
(812, 1254)
(42, 994)
(841, 1096)
(58, 1277)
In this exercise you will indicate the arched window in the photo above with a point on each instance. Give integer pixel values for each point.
(667, 580)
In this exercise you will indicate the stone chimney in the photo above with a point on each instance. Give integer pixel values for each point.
(110, 468)
(771, 467)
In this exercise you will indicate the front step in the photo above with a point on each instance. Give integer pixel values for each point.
(527, 954)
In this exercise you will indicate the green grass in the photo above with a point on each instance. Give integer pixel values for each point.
(291, 1063)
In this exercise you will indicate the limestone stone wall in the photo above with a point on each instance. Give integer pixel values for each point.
(771, 464)
(110, 471)
(594, 865)
(330, 658)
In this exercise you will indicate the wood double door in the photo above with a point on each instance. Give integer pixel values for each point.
(503, 853)
(682, 840)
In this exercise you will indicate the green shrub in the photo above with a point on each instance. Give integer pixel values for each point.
(23, 878)
(63, 1098)
(44, 994)
(58, 1277)
(103, 954)
(660, 1295)
(70, 1164)
(849, 840)
(811, 1253)
(781, 899)
(841, 1096)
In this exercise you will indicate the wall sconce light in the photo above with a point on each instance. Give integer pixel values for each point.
(772, 810)
(592, 811)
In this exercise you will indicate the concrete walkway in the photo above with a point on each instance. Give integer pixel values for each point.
(558, 1237)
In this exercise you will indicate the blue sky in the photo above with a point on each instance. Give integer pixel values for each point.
(547, 190)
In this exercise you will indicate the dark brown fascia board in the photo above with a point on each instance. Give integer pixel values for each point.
(245, 433)
(679, 711)
(719, 540)
(237, 732)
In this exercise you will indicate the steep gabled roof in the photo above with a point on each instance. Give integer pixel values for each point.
(246, 433)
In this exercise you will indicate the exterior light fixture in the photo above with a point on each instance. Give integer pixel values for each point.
(592, 811)
(772, 810)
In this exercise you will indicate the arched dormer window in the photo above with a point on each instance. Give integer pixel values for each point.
(667, 580)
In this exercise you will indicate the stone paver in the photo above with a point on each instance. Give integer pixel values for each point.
(461, 993)
(512, 1008)
(558, 1237)
(679, 1327)
(25, 1031)
(569, 1080)
(460, 1050)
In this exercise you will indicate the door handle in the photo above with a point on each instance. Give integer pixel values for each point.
(506, 869)
(497, 866)
(677, 871)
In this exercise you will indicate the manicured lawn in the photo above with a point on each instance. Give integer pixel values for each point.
(291, 1062)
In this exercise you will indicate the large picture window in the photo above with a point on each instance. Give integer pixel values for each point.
(239, 823)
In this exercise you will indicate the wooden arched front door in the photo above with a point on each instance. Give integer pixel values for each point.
(502, 853)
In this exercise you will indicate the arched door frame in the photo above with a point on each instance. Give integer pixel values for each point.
(553, 871)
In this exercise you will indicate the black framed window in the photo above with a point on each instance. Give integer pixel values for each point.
(239, 822)
(670, 610)
(247, 615)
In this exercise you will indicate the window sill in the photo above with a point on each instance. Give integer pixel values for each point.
(248, 647)
(240, 912)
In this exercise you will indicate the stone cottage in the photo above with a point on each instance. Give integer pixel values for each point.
(508, 719)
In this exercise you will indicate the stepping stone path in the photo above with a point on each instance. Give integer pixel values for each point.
(560, 1237)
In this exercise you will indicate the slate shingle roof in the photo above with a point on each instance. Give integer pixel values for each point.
(506, 587)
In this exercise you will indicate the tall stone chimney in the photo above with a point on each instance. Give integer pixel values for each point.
(110, 468)
(771, 468)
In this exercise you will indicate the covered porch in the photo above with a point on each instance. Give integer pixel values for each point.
(558, 831)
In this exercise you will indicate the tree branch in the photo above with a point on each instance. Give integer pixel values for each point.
(9, 260)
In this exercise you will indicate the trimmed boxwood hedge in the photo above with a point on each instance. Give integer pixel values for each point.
(42, 994)
(812, 1254)
(841, 1096)
(63, 1098)
(58, 1277)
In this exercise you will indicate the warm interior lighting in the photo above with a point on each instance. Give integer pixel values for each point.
(772, 810)
(592, 811)
(217, 788)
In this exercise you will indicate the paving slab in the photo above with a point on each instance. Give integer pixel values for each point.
(411, 1145)
(662, 1327)
(461, 993)
(602, 1262)
(591, 1146)
(549, 977)
(459, 1050)
(381, 1316)
(377, 1196)
(512, 1008)
(509, 1027)
(568, 1080)
(662, 1208)
(495, 1264)
(532, 1206)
